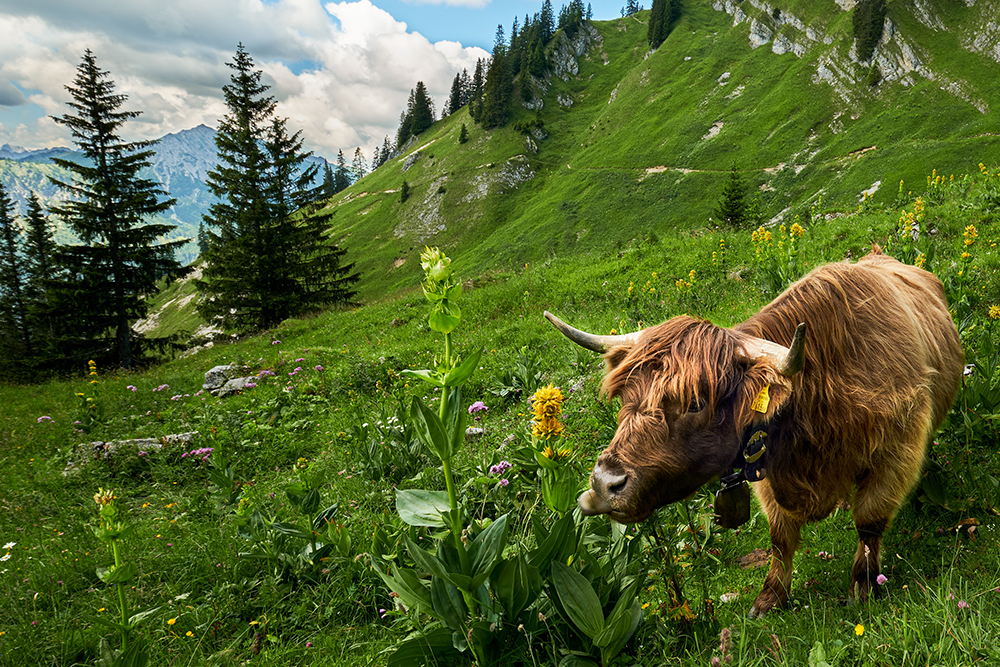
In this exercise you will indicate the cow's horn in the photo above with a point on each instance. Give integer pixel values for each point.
(592, 341)
(788, 360)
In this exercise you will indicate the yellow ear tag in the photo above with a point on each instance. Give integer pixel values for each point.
(763, 399)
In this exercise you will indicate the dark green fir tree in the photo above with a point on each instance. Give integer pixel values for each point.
(119, 261)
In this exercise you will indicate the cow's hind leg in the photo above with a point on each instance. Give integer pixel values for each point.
(879, 496)
(785, 534)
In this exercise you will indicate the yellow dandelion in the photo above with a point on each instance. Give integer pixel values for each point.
(171, 621)
(859, 629)
(189, 634)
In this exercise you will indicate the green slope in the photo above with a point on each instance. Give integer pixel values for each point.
(649, 138)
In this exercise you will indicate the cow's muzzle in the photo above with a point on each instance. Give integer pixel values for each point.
(605, 487)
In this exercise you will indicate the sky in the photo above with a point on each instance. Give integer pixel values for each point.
(341, 72)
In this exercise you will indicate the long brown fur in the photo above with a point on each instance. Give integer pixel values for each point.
(883, 363)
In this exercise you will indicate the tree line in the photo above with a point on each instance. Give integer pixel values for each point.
(264, 260)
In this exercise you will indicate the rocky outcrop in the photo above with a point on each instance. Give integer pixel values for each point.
(495, 180)
(568, 50)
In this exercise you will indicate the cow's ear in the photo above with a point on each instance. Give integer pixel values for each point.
(765, 393)
(615, 356)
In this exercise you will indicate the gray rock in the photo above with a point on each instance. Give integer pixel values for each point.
(216, 377)
(232, 386)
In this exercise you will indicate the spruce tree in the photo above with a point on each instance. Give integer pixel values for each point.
(376, 159)
(14, 326)
(358, 165)
(498, 91)
(329, 183)
(40, 252)
(387, 152)
(547, 23)
(264, 263)
(341, 175)
(733, 208)
(423, 109)
(118, 262)
(455, 97)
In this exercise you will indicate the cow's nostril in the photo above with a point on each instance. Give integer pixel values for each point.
(617, 484)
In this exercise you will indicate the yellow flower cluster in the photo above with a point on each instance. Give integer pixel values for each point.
(546, 407)
(93, 371)
(719, 256)
(995, 312)
(553, 454)
(796, 230)
(686, 285)
(970, 235)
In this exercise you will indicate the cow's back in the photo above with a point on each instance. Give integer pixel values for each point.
(883, 364)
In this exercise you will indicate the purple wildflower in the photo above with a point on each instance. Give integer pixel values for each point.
(265, 373)
(962, 604)
(44, 418)
(319, 368)
(162, 387)
(176, 398)
(132, 388)
(250, 385)
(504, 482)
(478, 406)
(300, 359)
(275, 342)
(500, 467)
(881, 579)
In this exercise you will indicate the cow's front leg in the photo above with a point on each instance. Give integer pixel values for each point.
(785, 534)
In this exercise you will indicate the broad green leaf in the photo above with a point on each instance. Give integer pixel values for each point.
(140, 616)
(436, 567)
(429, 428)
(430, 377)
(430, 648)
(291, 529)
(321, 520)
(619, 629)
(445, 316)
(295, 489)
(486, 548)
(455, 420)
(579, 599)
(310, 502)
(448, 603)
(419, 507)
(516, 584)
(408, 587)
(458, 375)
(560, 538)
(453, 292)
(117, 575)
(573, 660)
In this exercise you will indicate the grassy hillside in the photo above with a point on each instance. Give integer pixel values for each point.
(636, 153)
(221, 589)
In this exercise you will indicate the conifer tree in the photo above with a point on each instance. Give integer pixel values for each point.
(15, 337)
(376, 159)
(387, 152)
(498, 91)
(119, 261)
(41, 272)
(358, 165)
(463, 135)
(329, 183)
(455, 97)
(423, 109)
(264, 264)
(342, 175)
(733, 208)
(547, 24)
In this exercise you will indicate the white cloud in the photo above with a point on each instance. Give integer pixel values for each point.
(475, 4)
(341, 72)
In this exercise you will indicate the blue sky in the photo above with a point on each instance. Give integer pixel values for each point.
(341, 71)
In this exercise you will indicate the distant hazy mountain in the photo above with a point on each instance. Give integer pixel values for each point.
(181, 165)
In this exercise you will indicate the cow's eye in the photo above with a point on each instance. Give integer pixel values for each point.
(696, 405)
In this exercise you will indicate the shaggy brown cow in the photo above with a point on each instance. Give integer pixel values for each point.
(849, 406)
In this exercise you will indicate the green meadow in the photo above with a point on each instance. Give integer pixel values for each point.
(267, 535)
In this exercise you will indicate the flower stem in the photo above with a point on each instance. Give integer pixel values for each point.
(121, 596)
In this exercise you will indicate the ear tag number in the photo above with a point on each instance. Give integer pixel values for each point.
(763, 399)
